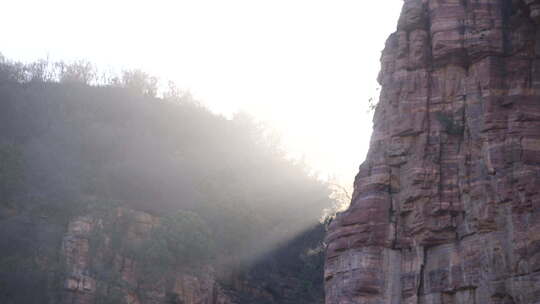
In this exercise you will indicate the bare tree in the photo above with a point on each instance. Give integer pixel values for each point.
(41, 70)
(80, 71)
(140, 82)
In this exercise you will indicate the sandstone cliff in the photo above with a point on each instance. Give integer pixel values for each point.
(446, 207)
(97, 272)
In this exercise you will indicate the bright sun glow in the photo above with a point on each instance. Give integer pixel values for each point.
(307, 67)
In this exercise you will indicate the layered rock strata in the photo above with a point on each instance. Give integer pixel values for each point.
(446, 207)
(96, 272)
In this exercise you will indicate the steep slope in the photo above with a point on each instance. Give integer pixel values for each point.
(111, 195)
(446, 207)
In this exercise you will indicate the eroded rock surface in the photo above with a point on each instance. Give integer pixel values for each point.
(95, 268)
(446, 207)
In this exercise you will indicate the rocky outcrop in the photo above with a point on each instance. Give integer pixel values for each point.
(98, 272)
(103, 260)
(446, 207)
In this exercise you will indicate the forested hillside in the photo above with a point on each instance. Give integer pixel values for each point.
(73, 144)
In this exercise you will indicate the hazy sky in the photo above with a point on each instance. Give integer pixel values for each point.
(308, 67)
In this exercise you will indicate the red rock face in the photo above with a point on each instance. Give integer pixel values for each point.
(446, 207)
(82, 285)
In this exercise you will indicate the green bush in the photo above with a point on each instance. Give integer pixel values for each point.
(11, 172)
(449, 124)
(186, 236)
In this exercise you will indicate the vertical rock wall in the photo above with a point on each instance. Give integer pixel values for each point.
(446, 207)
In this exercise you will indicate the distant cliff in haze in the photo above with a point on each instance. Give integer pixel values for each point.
(109, 194)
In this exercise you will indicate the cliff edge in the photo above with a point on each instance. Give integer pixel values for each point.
(446, 207)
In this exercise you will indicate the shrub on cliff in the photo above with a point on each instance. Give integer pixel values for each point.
(11, 172)
(180, 239)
